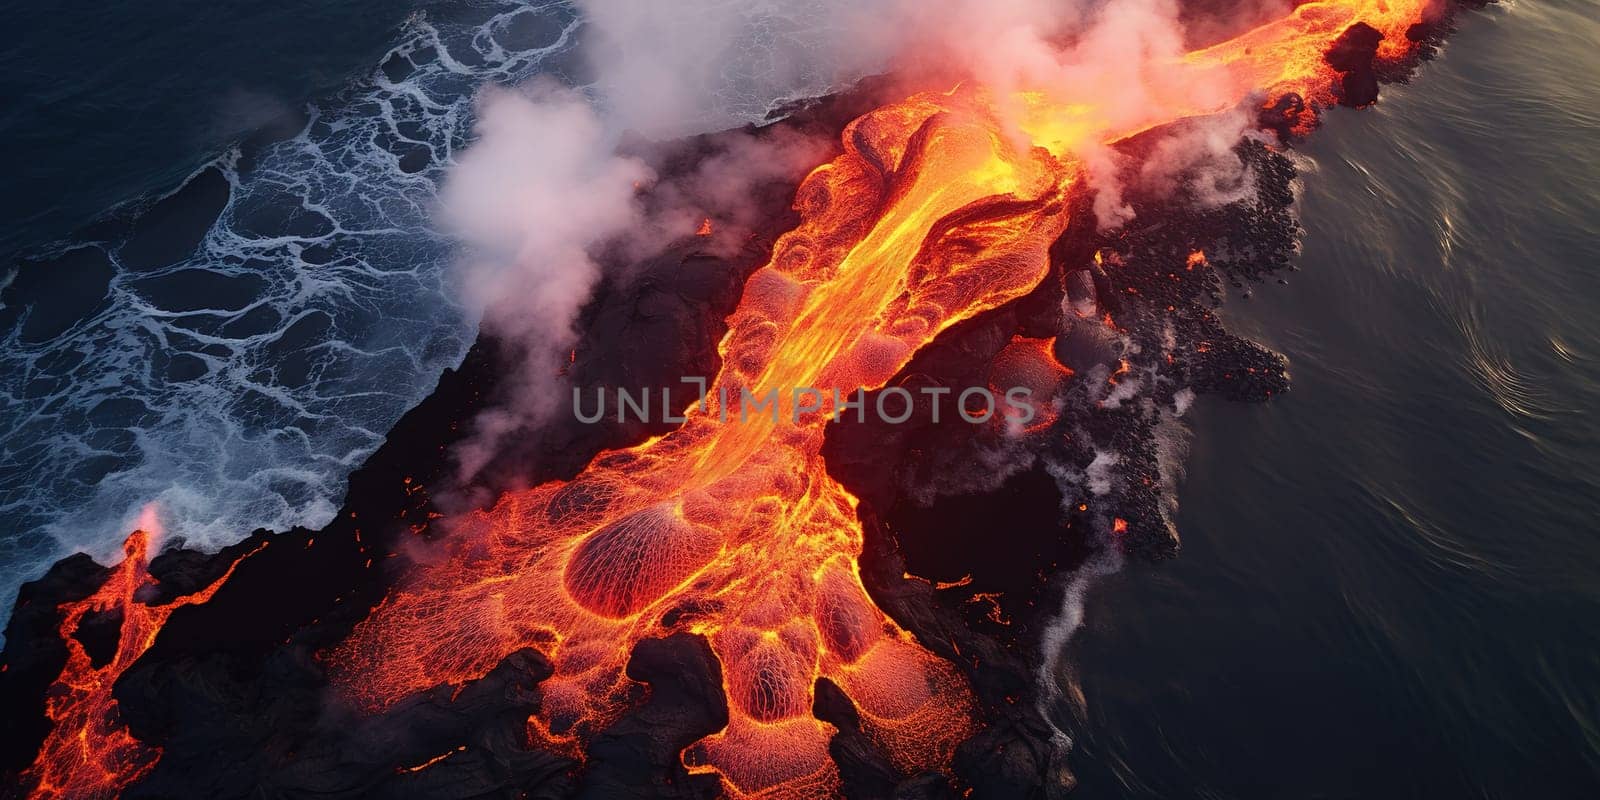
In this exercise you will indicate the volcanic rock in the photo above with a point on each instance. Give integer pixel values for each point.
(1352, 54)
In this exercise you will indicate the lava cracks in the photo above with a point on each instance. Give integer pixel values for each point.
(90, 753)
(914, 706)
(761, 563)
(625, 566)
(730, 527)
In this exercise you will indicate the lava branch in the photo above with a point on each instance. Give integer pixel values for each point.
(89, 753)
(734, 530)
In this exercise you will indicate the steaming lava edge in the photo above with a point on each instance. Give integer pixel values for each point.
(275, 678)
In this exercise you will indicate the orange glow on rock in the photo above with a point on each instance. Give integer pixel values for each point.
(89, 752)
(928, 218)
(734, 530)
(1030, 364)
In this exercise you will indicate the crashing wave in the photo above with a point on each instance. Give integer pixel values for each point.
(238, 381)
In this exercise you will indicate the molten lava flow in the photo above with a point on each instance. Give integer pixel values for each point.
(1277, 59)
(734, 529)
(730, 527)
(90, 753)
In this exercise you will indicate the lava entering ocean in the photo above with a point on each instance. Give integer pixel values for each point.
(941, 207)
(89, 751)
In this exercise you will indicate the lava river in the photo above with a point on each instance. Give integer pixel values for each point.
(940, 207)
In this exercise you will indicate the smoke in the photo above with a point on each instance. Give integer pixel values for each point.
(529, 199)
(1235, 17)
(1198, 160)
(1055, 679)
(1114, 58)
(728, 169)
(689, 66)
(542, 191)
(668, 69)
(543, 188)
(150, 522)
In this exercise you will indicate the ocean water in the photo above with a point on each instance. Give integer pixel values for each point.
(1390, 582)
(222, 282)
(1390, 585)
(241, 345)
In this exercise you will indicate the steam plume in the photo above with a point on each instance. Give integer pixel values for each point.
(543, 188)
(529, 198)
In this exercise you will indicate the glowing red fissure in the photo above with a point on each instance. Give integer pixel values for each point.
(89, 752)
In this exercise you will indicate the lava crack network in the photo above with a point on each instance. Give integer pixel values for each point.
(89, 752)
(734, 530)
(929, 217)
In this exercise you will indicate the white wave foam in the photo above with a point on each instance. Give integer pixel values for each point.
(350, 317)
(352, 310)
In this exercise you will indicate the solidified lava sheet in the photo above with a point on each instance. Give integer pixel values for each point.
(804, 601)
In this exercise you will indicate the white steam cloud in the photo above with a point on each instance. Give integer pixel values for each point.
(543, 188)
(529, 198)
(669, 69)
(541, 191)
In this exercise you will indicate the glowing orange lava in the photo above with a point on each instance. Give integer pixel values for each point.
(1031, 364)
(733, 529)
(89, 752)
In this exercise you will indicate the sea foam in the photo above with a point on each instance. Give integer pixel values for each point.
(238, 387)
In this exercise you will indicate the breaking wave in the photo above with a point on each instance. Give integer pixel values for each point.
(239, 348)
(249, 340)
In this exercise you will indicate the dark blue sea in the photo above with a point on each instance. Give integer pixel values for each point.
(1390, 577)
(222, 280)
